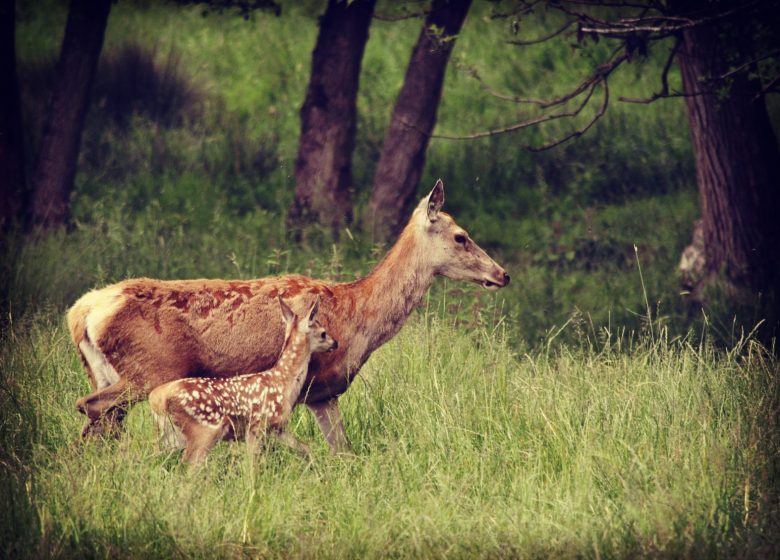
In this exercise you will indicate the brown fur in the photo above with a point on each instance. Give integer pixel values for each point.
(154, 331)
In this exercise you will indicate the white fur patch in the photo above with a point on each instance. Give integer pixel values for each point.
(102, 371)
(103, 305)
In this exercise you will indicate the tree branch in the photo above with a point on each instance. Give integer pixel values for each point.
(527, 7)
(602, 71)
(664, 92)
(748, 63)
(769, 87)
(517, 126)
(625, 27)
(579, 132)
(607, 4)
(544, 38)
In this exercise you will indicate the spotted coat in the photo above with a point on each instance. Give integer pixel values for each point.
(251, 403)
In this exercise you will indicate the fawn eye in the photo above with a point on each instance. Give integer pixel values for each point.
(323, 335)
(460, 239)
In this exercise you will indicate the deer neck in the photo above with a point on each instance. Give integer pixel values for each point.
(293, 364)
(387, 296)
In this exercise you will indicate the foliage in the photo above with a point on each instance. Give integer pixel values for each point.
(208, 133)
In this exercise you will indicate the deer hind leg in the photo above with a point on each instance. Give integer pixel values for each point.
(105, 409)
(168, 435)
(200, 439)
(329, 419)
(103, 417)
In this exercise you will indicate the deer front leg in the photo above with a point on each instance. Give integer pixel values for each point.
(329, 419)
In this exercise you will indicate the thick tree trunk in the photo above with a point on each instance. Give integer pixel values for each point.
(12, 187)
(414, 116)
(56, 167)
(737, 160)
(323, 169)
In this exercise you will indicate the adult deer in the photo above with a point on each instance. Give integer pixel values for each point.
(141, 333)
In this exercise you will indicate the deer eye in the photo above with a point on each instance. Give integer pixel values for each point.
(460, 239)
(323, 335)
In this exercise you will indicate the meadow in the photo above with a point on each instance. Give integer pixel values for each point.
(583, 411)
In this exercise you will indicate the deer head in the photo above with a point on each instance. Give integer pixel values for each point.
(317, 339)
(449, 248)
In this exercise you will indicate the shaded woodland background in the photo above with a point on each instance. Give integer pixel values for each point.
(215, 143)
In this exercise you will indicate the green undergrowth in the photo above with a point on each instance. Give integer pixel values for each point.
(623, 446)
(577, 264)
(178, 94)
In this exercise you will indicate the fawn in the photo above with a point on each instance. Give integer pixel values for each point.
(207, 410)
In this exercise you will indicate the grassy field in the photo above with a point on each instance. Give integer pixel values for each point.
(581, 412)
(463, 447)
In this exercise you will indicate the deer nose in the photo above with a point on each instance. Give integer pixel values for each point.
(506, 279)
(335, 345)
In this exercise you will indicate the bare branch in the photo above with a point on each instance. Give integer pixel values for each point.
(600, 72)
(526, 8)
(608, 4)
(748, 63)
(770, 87)
(582, 17)
(518, 126)
(661, 18)
(664, 92)
(600, 75)
(579, 132)
(623, 28)
(544, 38)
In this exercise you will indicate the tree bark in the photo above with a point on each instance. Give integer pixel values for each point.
(737, 159)
(402, 158)
(12, 187)
(58, 157)
(323, 169)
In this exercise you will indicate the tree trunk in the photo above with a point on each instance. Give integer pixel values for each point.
(414, 116)
(737, 159)
(12, 188)
(58, 156)
(323, 173)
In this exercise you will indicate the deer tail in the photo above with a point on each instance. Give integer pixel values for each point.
(77, 320)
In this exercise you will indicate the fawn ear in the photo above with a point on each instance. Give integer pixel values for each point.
(287, 313)
(313, 311)
(435, 201)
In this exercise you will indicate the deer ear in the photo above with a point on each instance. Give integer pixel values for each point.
(287, 313)
(435, 201)
(314, 308)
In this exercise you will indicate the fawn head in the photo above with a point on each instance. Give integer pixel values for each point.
(450, 249)
(317, 339)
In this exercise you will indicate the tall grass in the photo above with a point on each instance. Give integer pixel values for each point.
(463, 448)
